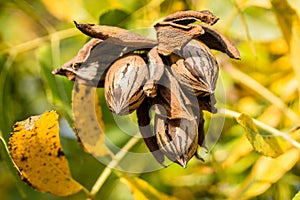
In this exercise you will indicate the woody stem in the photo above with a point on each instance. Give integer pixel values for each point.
(114, 163)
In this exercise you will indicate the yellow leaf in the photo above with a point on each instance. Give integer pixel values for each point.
(88, 120)
(241, 149)
(295, 49)
(284, 14)
(68, 10)
(36, 150)
(289, 22)
(295, 134)
(142, 190)
(266, 144)
(265, 172)
(297, 196)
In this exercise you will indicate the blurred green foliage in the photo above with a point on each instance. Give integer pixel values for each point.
(37, 36)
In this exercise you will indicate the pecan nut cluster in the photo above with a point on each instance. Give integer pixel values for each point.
(174, 77)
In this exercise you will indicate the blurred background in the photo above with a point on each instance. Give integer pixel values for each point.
(37, 36)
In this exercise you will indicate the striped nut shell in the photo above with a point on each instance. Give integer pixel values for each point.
(123, 87)
(197, 69)
(177, 138)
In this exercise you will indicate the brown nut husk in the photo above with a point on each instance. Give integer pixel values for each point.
(70, 68)
(171, 39)
(215, 40)
(176, 121)
(108, 44)
(175, 102)
(189, 16)
(156, 70)
(123, 84)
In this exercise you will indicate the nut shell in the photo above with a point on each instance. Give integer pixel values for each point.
(197, 70)
(124, 81)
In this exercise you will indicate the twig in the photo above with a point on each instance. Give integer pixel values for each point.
(230, 113)
(107, 171)
(260, 89)
(32, 44)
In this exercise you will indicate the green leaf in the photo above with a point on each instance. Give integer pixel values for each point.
(57, 90)
(142, 190)
(264, 143)
(297, 196)
(114, 17)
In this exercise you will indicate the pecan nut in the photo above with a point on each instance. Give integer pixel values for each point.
(177, 138)
(123, 84)
(198, 69)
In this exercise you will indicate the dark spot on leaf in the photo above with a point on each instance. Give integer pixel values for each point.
(26, 181)
(60, 152)
(87, 91)
(24, 158)
(68, 179)
(52, 126)
(33, 134)
(76, 88)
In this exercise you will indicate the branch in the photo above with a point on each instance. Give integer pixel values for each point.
(260, 89)
(233, 114)
(35, 43)
(107, 171)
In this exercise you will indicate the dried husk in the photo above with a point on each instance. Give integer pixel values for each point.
(176, 120)
(90, 66)
(189, 16)
(118, 35)
(146, 130)
(215, 40)
(175, 30)
(207, 103)
(171, 39)
(156, 70)
(124, 82)
(70, 68)
(173, 100)
(177, 117)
